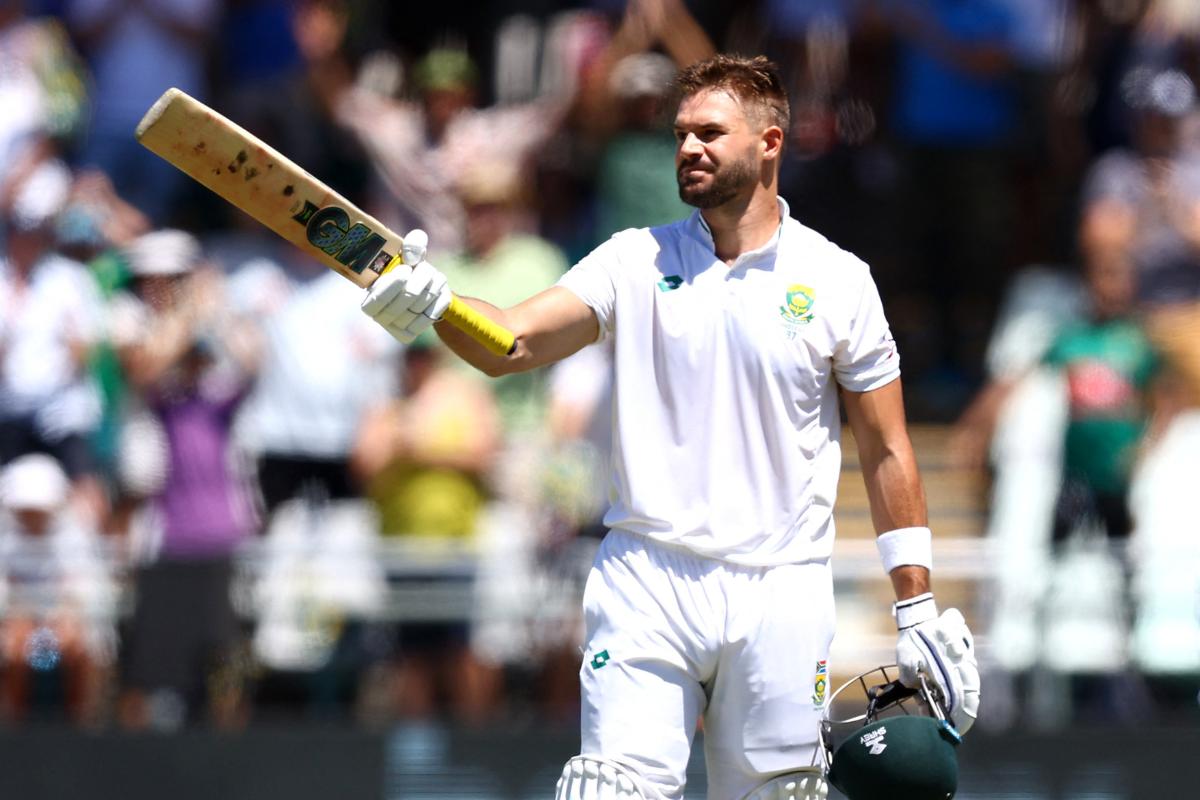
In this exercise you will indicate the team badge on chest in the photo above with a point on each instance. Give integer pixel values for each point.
(796, 310)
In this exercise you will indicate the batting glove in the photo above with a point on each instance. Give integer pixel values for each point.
(411, 296)
(940, 648)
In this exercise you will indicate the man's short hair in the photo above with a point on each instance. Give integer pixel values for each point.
(752, 81)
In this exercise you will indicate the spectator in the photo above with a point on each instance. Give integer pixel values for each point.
(1139, 203)
(1015, 426)
(321, 367)
(94, 228)
(289, 106)
(421, 151)
(1148, 216)
(97, 222)
(137, 50)
(954, 116)
(1069, 609)
(42, 89)
(191, 365)
(1139, 256)
(458, 417)
(499, 258)
(621, 109)
(1108, 364)
(631, 181)
(431, 489)
(1141, 207)
(50, 321)
(1121, 45)
(59, 599)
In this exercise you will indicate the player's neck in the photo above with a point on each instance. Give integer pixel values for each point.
(743, 224)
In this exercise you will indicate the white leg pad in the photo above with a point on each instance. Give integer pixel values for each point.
(803, 785)
(593, 778)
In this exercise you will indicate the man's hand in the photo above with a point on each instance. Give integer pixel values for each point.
(411, 296)
(943, 650)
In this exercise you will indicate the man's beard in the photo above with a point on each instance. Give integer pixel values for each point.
(727, 183)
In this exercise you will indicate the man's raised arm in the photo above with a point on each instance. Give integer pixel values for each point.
(548, 327)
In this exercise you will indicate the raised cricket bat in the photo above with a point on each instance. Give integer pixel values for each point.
(268, 186)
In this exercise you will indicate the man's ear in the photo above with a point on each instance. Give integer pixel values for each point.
(771, 142)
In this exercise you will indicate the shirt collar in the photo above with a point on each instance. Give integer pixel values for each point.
(699, 228)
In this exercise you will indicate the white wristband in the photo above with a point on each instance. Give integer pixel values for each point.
(905, 546)
(914, 610)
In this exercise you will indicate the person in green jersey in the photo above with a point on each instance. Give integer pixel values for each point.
(1108, 365)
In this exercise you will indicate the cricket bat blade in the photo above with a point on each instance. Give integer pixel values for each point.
(278, 193)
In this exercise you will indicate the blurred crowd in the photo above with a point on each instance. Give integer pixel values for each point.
(227, 494)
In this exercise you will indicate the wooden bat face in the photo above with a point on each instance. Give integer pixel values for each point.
(268, 186)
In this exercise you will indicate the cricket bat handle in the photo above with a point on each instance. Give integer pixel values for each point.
(496, 338)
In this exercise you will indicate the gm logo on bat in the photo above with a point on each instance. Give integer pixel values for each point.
(355, 246)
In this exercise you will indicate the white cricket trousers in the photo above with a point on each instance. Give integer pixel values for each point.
(672, 636)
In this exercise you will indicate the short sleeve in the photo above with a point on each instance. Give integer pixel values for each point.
(866, 357)
(593, 280)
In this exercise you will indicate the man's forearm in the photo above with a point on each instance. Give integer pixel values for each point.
(470, 350)
(898, 502)
(894, 488)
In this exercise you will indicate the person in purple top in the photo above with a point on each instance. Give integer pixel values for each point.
(190, 366)
(204, 509)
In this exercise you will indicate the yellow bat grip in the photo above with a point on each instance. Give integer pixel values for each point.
(496, 338)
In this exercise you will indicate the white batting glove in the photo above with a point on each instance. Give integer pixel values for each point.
(411, 296)
(942, 649)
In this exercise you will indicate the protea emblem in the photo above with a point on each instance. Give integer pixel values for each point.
(798, 307)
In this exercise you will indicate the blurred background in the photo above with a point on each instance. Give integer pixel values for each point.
(241, 524)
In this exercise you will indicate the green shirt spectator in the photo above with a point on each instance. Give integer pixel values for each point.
(519, 266)
(1108, 366)
(636, 183)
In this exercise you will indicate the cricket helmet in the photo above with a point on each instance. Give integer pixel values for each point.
(901, 747)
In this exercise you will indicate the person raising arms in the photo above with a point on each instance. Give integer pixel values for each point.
(734, 332)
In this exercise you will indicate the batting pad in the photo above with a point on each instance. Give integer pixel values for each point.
(806, 785)
(591, 778)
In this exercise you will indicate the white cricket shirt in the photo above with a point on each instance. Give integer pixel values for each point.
(726, 432)
(321, 366)
(41, 326)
